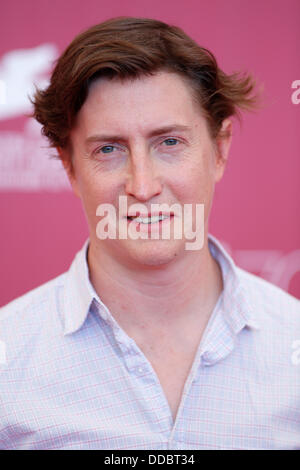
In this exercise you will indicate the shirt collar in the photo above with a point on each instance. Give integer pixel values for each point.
(237, 306)
(233, 312)
(79, 294)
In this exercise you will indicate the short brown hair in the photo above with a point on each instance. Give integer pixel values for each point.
(128, 47)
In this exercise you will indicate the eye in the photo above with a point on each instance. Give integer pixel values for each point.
(171, 141)
(106, 149)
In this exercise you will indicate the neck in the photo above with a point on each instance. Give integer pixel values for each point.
(163, 296)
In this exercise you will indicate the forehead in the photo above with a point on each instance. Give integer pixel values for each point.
(160, 83)
(140, 101)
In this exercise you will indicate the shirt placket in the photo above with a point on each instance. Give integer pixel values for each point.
(139, 367)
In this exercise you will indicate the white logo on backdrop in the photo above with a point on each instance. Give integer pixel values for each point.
(19, 71)
(25, 162)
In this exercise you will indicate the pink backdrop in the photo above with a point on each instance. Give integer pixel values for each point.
(256, 208)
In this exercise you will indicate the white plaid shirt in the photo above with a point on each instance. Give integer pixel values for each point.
(71, 378)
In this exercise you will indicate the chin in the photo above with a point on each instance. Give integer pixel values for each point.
(156, 253)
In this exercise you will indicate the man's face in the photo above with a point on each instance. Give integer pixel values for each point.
(147, 140)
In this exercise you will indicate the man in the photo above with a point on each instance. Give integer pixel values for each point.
(147, 342)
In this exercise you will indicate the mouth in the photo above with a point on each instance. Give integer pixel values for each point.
(149, 219)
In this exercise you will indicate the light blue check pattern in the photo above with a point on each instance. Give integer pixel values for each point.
(71, 378)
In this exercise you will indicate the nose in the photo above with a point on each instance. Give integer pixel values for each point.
(143, 181)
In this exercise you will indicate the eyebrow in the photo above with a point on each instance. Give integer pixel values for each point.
(155, 132)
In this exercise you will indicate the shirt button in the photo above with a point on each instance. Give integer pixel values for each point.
(140, 370)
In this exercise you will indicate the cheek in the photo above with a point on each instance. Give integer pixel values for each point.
(96, 189)
(194, 184)
(96, 186)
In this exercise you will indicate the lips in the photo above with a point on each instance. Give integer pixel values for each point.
(149, 214)
(150, 218)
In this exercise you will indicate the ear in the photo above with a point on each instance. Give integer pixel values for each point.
(66, 160)
(222, 144)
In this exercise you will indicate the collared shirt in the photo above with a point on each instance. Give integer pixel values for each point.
(71, 378)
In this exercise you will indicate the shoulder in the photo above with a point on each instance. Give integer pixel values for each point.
(23, 319)
(269, 301)
(27, 302)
